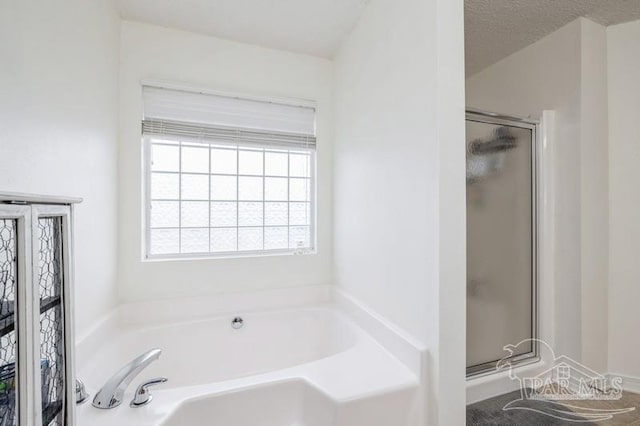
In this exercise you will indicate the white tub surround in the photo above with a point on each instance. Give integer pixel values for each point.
(315, 352)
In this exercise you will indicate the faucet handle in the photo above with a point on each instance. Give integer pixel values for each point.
(143, 396)
(81, 392)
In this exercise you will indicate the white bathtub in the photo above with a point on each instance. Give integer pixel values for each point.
(316, 348)
(207, 351)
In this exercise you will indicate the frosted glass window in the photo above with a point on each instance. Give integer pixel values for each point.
(299, 165)
(299, 236)
(250, 239)
(276, 164)
(224, 161)
(209, 198)
(250, 214)
(194, 187)
(165, 158)
(165, 241)
(224, 240)
(224, 188)
(299, 189)
(165, 214)
(250, 188)
(276, 214)
(195, 159)
(225, 198)
(276, 189)
(224, 214)
(251, 163)
(299, 214)
(194, 214)
(194, 240)
(165, 186)
(276, 238)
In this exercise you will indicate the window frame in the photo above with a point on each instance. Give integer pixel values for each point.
(147, 256)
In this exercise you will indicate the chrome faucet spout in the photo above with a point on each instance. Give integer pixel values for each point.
(112, 392)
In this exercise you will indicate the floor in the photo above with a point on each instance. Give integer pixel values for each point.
(490, 412)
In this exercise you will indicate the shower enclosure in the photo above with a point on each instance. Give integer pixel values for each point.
(501, 240)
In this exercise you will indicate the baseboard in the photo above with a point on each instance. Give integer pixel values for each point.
(404, 347)
(629, 383)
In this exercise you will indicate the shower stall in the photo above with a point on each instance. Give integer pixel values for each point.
(502, 281)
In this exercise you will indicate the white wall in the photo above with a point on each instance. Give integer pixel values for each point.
(386, 241)
(624, 157)
(594, 193)
(565, 72)
(151, 52)
(58, 126)
(399, 161)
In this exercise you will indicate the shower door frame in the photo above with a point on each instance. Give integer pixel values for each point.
(480, 116)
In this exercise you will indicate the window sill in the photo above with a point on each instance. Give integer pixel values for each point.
(223, 256)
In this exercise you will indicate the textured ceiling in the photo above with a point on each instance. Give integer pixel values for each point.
(315, 27)
(494, 29)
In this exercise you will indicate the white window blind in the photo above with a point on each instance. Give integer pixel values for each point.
(206, 116)
(227, 175)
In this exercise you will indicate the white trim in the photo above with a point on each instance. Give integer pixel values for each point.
(497, 115)
(227, 255)
(22, 197)
(187, 87)
(629, 383)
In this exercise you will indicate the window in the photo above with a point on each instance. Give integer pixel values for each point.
(238, 181)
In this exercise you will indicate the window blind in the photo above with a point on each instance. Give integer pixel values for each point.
(225, 119)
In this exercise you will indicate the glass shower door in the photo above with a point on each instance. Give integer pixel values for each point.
(501, 263)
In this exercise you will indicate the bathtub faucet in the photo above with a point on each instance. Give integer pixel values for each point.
(111, 393)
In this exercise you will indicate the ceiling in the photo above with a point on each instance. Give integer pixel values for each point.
(494, 29)
(314, 27)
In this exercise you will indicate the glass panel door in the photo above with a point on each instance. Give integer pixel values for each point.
(501, 281)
